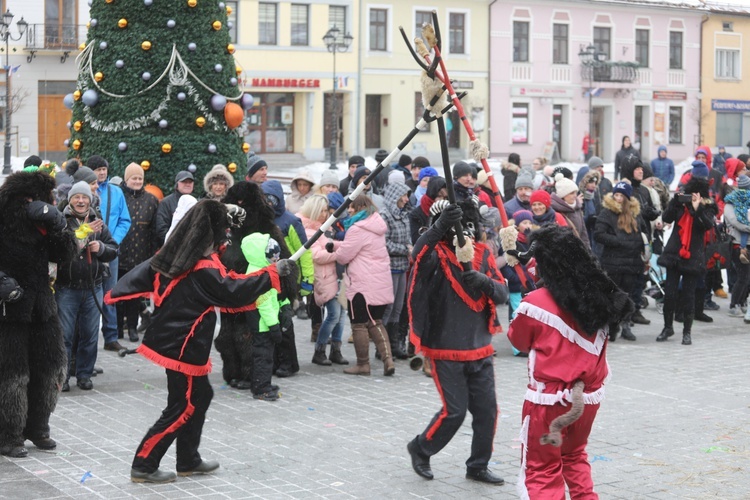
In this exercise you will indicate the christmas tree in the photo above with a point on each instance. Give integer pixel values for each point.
(157, 85)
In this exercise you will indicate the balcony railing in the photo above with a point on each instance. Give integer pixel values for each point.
(610, 71)
(64, 38)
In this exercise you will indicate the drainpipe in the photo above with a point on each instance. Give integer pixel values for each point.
(704, 19)
(489, 76)
(358, 107)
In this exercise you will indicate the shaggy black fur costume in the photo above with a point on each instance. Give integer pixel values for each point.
(32, 353)
(234, 341)
(576, 281)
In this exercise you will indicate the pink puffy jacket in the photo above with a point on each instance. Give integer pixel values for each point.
(326, 284)
(369, 267)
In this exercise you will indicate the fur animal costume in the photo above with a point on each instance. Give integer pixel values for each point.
(190, 287)
(234, 341)
(32, 354)
(452, 313)
(563, 327)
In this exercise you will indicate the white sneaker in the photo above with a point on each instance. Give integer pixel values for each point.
(747, 318)
(736, 312)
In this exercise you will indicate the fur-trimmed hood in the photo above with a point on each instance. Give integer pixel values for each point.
(611, 204)
(591, 174)
(575, 279)
(218, 171)
(510, 167)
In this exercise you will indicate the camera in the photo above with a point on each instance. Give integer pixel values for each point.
(684, 198)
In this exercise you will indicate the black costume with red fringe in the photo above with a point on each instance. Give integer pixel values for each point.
(453, 326)
(189, 292)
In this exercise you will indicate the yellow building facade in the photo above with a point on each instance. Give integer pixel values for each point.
(725, 60)
(288, 68)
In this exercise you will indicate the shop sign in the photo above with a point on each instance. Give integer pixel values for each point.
(286, 82)
(666, 95)
(727, 105)
(463, 84)
(540, 92)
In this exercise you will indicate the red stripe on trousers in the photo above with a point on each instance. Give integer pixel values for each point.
(444, 412)
(181, 420)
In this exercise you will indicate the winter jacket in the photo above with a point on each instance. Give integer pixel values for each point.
(87, 268)
(620, 158)
(510, 174)
(164, 215)
(448, 320)
(254, 249)
(291, 227)
(719, 162)
(663, 167)
(649, 212)
(419, 218)
(182, 325)
(573, 216)
(550, 217)
(140, 242)
(621, 251)
(326, 278)
(295, 200)
(368, 267)
(734, 226)
(398, 235)
(514, 205)
(114, 210)
(703, 220)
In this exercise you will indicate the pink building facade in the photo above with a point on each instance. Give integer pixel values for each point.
(640, 78)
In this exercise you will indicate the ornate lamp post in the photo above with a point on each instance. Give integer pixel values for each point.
(590, 60)
(5, 22)
(334, 44)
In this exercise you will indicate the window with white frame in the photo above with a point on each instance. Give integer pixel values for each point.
(419, 111)
(421, 17)
(641, 47)
(378, 29)
(727, 63)
(520, 41)
(300, 24)
(559, 44)
(675, 50)
(267, 23)
(232, 19)
(457, 33)
(603, 41)
(675, 124)
(519, 130)
(337, 17)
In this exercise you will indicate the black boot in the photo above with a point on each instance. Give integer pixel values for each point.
(700, 303)
(614, 329)
(666, 332)
(686, 328)
(336, 356)
(639, 319)
(393, 337)
(319, 358)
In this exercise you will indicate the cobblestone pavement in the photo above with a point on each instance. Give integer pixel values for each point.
(674, 425)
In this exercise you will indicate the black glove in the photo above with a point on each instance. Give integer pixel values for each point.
(448, 218)
(274, 333)
(285, 267)
(329, 247)
(478, 281)
(39, 211)
(523, 257)
(286, 315)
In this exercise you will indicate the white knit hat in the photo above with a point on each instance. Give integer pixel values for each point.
(564, 186)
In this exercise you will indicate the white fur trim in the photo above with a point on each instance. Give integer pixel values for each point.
(561, 397)
(523, 493)
(557, 323)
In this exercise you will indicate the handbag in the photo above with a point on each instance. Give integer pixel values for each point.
(719, 248)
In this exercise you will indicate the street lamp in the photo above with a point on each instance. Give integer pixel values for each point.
(590, 58)
(7, 18)
(334, 44)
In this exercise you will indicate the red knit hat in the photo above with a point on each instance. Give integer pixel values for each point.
(541, 196)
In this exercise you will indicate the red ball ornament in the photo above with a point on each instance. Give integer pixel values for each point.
(233, 115)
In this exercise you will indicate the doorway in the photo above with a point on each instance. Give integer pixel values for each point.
(53, 118)
(333, 109)
(270, 125)
(641, 131)
(372, 121)
(557, 127)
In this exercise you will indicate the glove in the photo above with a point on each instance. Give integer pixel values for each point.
(523, 257)
(39, 211)
(306, 288)
(274, 333)
(9, 289)
(286, 267)
(448, 218)
(236, 215)
(286, 315)
(478, 281)
(329, 247)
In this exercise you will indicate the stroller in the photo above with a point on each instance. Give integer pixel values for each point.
(655, 287)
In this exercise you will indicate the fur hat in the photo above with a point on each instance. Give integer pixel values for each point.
(254, 163)
(700, 169)
(329, 177)
(203, 227)
(131, 170)
(404, 160)
(218, 171)
(595, 162)
(427, 172)
(743, 182)
(624, 188)
(81, 187)
(564, 186)
(524, 179)
(697, 185)
(574, 278)
(420, 162)
(541, 196)
(522, 215)
(84, 174)
(461, 168)
(96, 161)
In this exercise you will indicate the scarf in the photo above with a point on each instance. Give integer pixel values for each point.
(740, 198)
(686, 233)
(546, 218)
(419, 192)
(361, 215)
(425, 203)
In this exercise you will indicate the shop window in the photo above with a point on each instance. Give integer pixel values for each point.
(729, 129)
(520, 124)
(675, 125)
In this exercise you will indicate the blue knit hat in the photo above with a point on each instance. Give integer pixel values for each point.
(623, 188)
(700, 169)
(522, 215)
(335, 200)
(427, 172)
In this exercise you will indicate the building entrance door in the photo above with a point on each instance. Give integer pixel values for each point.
(372, 121)
(270, 125)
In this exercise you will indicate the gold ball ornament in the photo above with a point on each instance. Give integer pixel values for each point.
(192, 3)
(245, 147)
(99, 76)
(166, 148)
(77, 126)
(216, 25)
(232, 167)
(77, 95)
(82, 46)
(229, 10)
(76, 144)
(109, 1)
(146, 45)
(200, 121)
(230, 48)
(145, 164)
(122, 23)
(238, 70)
(88, 25)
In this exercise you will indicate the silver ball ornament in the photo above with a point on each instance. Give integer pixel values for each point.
(123, 146)
(90, 98)
(171, 23)
(93, 22)
(218, 68)
(103, 45)
(233, 82)
(163, 123)
(148, 3)
(68, 101)
(218, 102)
(192, 168)
(146, 76)
(181, 96)
(212, 148)
(66, 142)
(68, 125)
(192, 47)
(119, 64)
(247, 101)
(230, 24)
